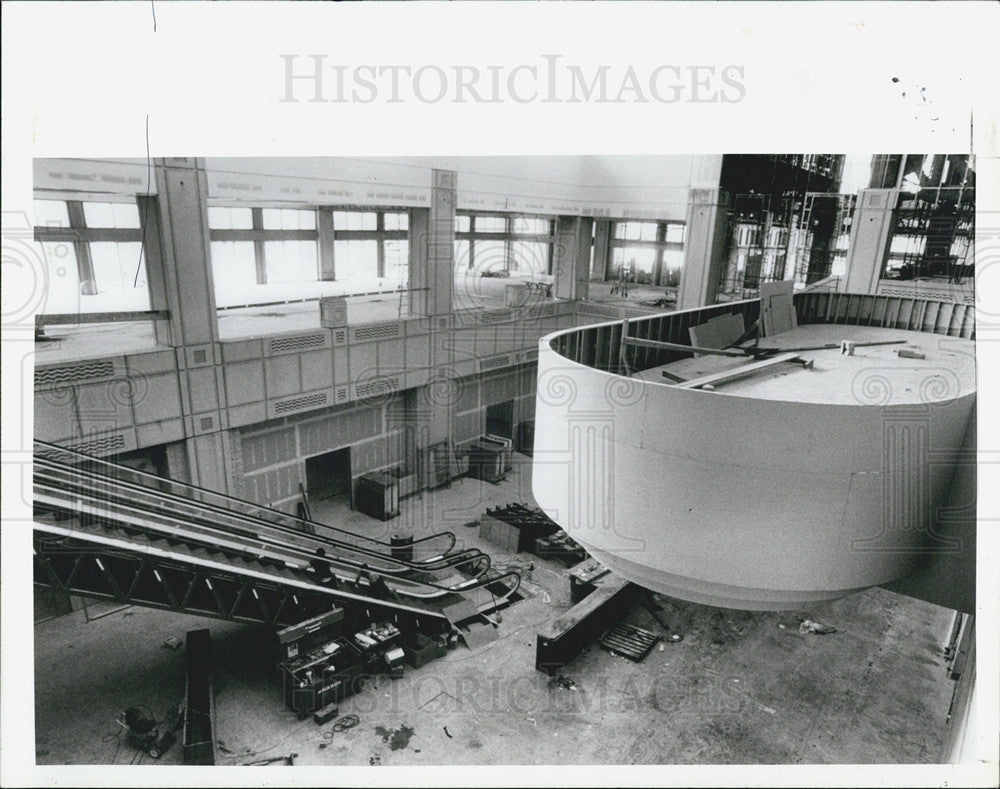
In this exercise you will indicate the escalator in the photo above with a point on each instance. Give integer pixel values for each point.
(110, 531)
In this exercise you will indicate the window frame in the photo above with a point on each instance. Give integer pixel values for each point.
(508, 236)
(325, 234)
(660, 244)
(80, 235)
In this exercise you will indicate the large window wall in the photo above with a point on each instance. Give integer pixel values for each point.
(93, 257)
(264, 254)
(647, 253)
(503, 245)
(500, 257)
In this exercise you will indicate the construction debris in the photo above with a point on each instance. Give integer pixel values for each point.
(808, 626)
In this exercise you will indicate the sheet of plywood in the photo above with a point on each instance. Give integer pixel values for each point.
(719, 332)
(716, 379)
(776, 309)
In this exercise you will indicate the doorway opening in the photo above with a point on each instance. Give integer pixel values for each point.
(500, 419)
(328, 476)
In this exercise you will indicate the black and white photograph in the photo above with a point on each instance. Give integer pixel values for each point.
(398, 455)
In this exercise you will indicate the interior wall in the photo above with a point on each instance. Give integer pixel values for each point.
(650, 187)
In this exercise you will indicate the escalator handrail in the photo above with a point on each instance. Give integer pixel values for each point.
(226, 497)
(77, 473)
(103, 500)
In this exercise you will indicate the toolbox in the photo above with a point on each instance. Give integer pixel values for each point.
(323, 676)
(305, 636)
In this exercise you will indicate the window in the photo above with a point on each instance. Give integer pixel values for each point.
(291, 261)
(251, 247)
(649, 253)
(233, 264)
(356, 259)
(504, 245)
(51, 213)
(94, 257)
(223, 218)
(260, 246)
(372, 245)
(288, 219)
(117, 215)
(355, 220)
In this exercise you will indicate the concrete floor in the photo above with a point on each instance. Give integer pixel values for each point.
(739, 688)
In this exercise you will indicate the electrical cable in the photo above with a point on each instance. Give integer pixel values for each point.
(342, 724)
(117, 736)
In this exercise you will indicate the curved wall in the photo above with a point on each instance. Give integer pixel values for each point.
(738, 501)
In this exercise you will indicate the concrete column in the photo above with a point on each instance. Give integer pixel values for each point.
(705, 244)
(178, 261)
(324, 228)
(602, 248)
(871, 237)
(432, 249)
(571, 257)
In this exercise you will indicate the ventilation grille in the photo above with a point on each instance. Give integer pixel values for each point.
(300, 403)
(378, 331)
(301, 343)
(377, 386)
(100, 446)
(340, 337)
(532, 355)
(496, 316)
(492, 362)
(340, 394)
(78, 372)
(606, 312)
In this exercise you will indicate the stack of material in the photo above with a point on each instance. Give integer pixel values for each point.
(488, 459)
(560, 547)
(507, 445)
(515, 527)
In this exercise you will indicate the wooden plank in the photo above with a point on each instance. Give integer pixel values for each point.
(623, 349)
(867, 309)
(676, 346)
(738, 372)
(942, 322)
(879, 311)
(954, 326)
(720, 332)
(892, 312)
(826, 347)
(776, 307)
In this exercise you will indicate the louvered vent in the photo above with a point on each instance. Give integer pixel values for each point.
(377, 386)
(608, 312)
(52, 376)
(100, 446)
(301, 343)
(340, 337)
(496, 316)
(492, 362)
(340, 394)
(300, 403)
(378, 331)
